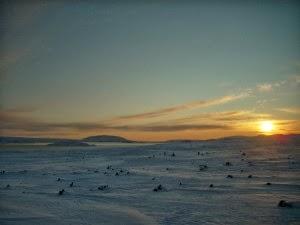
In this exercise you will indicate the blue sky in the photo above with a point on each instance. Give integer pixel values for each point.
(93, 62)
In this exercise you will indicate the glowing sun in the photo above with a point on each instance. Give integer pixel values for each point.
(266, 126)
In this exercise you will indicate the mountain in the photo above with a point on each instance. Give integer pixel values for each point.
(106, 138)
(32, 140)
(260, 139)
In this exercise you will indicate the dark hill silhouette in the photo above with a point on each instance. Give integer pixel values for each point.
(260, 139)
(106, 138)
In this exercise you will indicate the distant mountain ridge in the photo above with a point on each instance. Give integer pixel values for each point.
(106, 138)
(33, 140)
(292, 138)
(278, 138)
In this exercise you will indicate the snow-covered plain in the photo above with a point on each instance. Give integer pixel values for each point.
(35, 175)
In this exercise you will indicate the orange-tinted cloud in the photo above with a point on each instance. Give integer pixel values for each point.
(182, 107)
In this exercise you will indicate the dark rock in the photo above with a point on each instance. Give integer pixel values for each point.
(61, 192)
(211, 185)
(250, 164)
(103, 187)
(71, 185)
(117, 174)
(159, 188)
(228, 164)
(250, 176)
(202, 167)
(229, 176)
(284, 203)
(173, 154)
(268, 183)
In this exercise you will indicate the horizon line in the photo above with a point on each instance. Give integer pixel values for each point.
(156, 141)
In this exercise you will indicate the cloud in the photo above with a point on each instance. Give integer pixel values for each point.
(264, 87)
(183, 107)
(19, 110)
(17, 119)
(20, 119)
(295, 80)
(172, 128)
(280, 83)
(292, 110)
(227, 116)
(268, 87)
(14, 123)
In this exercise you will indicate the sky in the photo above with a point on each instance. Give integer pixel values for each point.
(149, 70)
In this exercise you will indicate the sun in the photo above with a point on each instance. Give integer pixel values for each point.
(266, 126)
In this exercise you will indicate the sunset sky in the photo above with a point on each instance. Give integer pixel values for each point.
(148, 70)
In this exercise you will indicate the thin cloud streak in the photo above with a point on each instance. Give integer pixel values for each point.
(265, 87)
(182, 107)
(228, 116)
(291, 110)
(173, 128)
(18, 120)
(43, 126)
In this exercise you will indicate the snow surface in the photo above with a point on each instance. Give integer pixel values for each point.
(36, 174)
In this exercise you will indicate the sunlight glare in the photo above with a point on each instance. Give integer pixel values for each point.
(266, 126)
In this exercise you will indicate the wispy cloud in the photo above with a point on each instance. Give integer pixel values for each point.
(271, 86)
(295, 80)
(21, 120)
(173, 128)
(292, 110)
(185, 106)
(227, 117)
(18, 123)
(265, 87)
